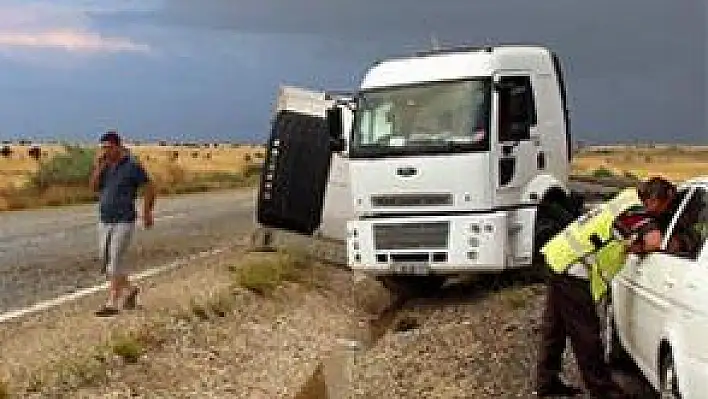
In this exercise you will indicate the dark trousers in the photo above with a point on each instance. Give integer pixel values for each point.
(571, 312)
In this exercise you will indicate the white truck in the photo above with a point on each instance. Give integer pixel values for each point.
(444, 162)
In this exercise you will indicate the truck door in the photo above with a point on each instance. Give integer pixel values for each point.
(517, 147)
(338, 204)
(296, 168)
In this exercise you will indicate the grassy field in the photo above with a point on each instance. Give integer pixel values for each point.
(59, 174)
(676, 163)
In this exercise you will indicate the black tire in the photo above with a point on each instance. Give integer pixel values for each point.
(412, 285)
(668, 379)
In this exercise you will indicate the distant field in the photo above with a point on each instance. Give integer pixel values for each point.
(162, 161)
(676, 163)
(174, 168)
(185, 169)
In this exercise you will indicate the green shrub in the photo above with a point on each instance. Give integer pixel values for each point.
(602, 172)
(630, 175)
(252, 170)
(128, 348)
(70, 169)
(262, 275)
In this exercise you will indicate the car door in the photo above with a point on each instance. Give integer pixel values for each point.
(648, 305)
(689, 324)
(624, 287)
(646, 295)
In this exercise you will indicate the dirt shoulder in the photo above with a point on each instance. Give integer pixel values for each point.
(199, 333)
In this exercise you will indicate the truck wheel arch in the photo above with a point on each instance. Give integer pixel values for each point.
(544, 188)
(554, 209)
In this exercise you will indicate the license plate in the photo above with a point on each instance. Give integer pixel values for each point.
(411, 268)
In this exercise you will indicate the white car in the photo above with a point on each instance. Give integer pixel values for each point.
(659, 306)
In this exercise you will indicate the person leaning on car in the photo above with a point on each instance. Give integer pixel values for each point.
(660, 200)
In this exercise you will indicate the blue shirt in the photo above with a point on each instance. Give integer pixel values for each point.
(118, 187)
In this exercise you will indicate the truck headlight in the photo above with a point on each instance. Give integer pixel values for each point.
(474, 242)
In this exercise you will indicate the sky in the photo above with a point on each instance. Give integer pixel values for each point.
(183, 70)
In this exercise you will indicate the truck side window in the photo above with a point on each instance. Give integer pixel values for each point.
(517, 108)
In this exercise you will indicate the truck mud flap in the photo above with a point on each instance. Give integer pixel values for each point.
(295, 173)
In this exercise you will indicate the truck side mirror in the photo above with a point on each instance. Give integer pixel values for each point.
(335, 129)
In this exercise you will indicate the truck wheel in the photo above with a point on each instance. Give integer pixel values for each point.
(412, 285)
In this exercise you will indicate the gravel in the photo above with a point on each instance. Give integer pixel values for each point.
(261, 347)
(472, 342)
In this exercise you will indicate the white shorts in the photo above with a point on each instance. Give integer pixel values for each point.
(114, 239)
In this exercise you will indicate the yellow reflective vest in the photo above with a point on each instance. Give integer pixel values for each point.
(574, 244)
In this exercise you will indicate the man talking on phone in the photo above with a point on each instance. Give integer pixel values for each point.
(117, 176)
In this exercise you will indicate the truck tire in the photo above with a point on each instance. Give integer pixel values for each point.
(412, 285)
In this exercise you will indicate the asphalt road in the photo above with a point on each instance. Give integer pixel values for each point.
(45, 253)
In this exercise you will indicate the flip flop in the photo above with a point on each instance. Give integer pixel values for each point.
(106, 311)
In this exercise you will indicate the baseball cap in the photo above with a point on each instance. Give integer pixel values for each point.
(110, 137)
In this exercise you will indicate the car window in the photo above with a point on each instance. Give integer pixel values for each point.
(689, 233)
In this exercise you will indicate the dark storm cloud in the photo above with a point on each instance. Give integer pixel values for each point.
(636, 70)
(602, 33)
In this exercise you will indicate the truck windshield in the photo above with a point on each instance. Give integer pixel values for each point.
(440, 117)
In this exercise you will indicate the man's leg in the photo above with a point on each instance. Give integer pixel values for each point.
(116, 270)
(583, 326)
(553, 339)
(104, 238)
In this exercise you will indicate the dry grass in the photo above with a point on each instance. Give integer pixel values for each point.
(194, 321)
(263, 274)
(188, 169)
(175, 170)
(16, 168)
(672, 162)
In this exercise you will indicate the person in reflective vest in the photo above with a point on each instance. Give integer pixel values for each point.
(595, 242)
(582, 257)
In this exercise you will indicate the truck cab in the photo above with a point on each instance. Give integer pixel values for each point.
(454, 161)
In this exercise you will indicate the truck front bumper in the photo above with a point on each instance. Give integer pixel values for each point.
(429, 244)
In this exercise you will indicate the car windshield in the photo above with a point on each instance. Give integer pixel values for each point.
(431, 117)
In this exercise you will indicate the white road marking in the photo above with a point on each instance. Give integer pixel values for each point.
(73, 296)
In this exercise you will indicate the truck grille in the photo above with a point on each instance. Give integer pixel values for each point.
(432, 235)
(411, 200)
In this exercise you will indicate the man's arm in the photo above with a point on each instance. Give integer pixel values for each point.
(149, 197)
(648, 242)
(149, 194)
(95, 179)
